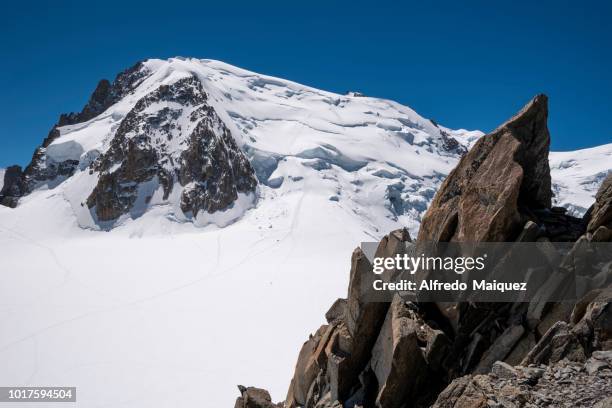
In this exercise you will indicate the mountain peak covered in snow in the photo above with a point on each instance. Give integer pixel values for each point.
(201, 141)
(206, 140)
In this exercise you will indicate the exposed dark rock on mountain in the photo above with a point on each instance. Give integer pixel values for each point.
(209, 164)
(107, 94)
(171, 136)
(12, 188)
(213, 168)
(450, 144)
(44, 169)
(404, 354)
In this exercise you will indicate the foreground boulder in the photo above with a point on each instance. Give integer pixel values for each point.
(252, 397)
(404, 357)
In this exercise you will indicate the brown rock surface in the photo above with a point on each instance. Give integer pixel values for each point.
(252, 397)
(601, 212)
(563, 384)
(306, 370)
(505, 170)
(397, 359)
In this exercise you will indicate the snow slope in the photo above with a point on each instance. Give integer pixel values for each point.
(577, 175)
(161, 313)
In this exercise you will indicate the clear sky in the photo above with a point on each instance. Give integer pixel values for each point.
(466, 64)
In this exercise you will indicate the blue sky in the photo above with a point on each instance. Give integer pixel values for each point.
(465, 64)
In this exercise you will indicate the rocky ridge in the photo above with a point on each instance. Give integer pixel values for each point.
(170, 139)
(208, 164)
(44, 169)
(404, 354)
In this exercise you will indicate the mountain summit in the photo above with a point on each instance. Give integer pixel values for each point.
(204, 140)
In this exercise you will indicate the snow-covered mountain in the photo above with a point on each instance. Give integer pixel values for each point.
(2, 171)
(188, 225)
(142, 144)
(577, 175)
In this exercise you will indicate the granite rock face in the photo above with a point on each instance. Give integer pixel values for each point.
(505, 171)
(600, 215)
(12, 187)
(404, 357)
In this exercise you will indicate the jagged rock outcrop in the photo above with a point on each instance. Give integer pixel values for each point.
(403, 354)
(500, 191)
(562, 333)
(208, 164)
(405, 357)
(370, 353)
(171, 136)
(505, 170)
(43, 169)
(397, 361)
(107, 94)
(12, 187)
(333, 364)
